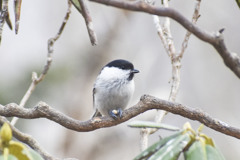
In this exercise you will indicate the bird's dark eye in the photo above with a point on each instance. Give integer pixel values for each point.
(123, 67)
(130, 76)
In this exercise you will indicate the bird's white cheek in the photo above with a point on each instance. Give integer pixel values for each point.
(112, 73)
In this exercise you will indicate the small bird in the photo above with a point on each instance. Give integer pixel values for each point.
(113, 88)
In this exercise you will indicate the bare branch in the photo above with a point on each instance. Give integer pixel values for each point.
(3, 15)
(51, 41)
(231, 60)
(147, 102)
(164, 32)
(144, 133)
(165, 35)
(167, 32)
(35, 78)
(88, 21)
(195, 17)
(160, 33)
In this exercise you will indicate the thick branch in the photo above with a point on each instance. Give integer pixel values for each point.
(42, 110)
(216, 40)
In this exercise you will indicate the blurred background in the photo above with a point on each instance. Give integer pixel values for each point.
(206, 83)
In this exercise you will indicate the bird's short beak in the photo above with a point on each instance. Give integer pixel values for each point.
(134, 71)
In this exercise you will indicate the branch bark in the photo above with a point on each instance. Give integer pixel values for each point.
(88, 20)
(165, 35)
(147, 102)
(231, 60)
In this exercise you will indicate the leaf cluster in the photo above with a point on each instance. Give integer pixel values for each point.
(13, 150)
(193, 144)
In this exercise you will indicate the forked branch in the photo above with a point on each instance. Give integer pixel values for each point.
(232, 60)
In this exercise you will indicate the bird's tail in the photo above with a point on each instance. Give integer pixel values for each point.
(96, 114)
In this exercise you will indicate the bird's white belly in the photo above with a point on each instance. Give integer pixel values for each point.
(113, 98)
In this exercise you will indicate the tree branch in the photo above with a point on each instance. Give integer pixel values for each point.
(165, 35)
(37, 79)
(88, 21)
(147, 102)
(3, 16)
(195, 17)
(232, 60)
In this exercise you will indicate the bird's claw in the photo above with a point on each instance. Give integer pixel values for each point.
(116, 114)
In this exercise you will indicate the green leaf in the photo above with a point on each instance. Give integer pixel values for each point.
(35, 155)
(5, 134)
(17, 10)
(8, 20)
(213, 153)
(195, 145)
(173, 148)
(155, 147)
(4, 6)
(77, 5)
(149, 124)
(207, 139)
(18, 150)
(9, 157)
(196, 151)
(238, 3)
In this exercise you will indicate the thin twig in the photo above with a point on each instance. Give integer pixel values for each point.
(165, 35)
(147, 102)
(232, 60)
(167, 32)
(3, 14)
(88, 20)
(35, 78)
(195, 17)
(144, 134)
(160, 33)
(164, 32)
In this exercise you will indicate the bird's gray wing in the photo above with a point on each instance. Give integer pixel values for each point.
(97, 113)
(94, 91)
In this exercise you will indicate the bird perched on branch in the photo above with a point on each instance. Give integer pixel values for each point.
(113, 88)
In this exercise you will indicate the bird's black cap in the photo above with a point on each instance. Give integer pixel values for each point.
(125, 65)
(120, 63)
